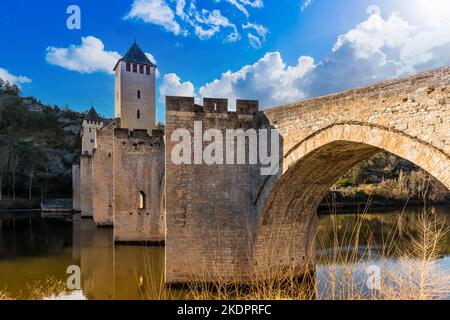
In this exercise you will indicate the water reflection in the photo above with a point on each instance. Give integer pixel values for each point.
(33, 248)
(353, 250)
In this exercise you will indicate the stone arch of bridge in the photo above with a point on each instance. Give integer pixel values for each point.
(288, 203)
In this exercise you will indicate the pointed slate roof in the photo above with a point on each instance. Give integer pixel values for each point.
(92, 115)
(136, 55)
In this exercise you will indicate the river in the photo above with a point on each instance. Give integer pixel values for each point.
(35, 249)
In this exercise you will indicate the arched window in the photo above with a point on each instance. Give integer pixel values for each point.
(141, 200)
(139, 94)
(138, 115)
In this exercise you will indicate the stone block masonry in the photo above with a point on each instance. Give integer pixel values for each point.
(76, 188)
(209, 212)
(138, 166)
(102, 178)
(86, 185)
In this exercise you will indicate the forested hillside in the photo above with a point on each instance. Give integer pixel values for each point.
(38, 144)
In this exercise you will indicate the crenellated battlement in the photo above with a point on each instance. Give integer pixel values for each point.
(180, 103)
(215, 105)
(247, 107)
(211, 105)
(140, 135)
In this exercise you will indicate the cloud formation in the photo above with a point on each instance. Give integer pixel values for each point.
(242, 5)
(88, 57)
(184, 17)
(374, 50)
(208, 23)
(156, 12)
(257, 39)
(171, 85)
(270, 80)
(12, 79)
(305, 4)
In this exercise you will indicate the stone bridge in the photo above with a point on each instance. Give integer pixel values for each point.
(227, 222)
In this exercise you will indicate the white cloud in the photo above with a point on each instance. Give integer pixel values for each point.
(241, 5)
(397, 45)
(171, 85)
(305, 4)
(270, 80)
(12, 79)
(374, 50)
(256, 40)
(375, 34)
(156, 12)
(179, 9)
(153, 60)
(207, 23)
(182, 17)
(90, 56)
(373, 9)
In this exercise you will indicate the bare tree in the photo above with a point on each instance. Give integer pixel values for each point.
(4, 155)
(13, 166)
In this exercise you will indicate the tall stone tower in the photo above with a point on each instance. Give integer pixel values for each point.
(90, 125)
(135, 90)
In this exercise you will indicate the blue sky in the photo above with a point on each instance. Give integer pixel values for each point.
(275, 51)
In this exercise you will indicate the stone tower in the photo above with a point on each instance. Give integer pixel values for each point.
(90, 125)
(135, 90)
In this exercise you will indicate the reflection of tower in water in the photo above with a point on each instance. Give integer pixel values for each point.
(111, 271)
(96, 251)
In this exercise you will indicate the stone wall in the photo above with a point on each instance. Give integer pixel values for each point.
(86, 185)
(138, 165)
(324, 137)
(102, 178)
(209, 211)
(76, 188)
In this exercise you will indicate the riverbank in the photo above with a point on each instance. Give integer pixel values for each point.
(20, 204)
(374, 205)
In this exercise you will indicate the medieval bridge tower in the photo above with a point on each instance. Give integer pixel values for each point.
(122, 165)
(135, 101)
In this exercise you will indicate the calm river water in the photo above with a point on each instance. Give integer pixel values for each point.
(33, 248)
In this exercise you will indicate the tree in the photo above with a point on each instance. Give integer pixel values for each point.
(10, 89)
(13, 166)
(4, 155)
(160, 126)
(33, 159)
